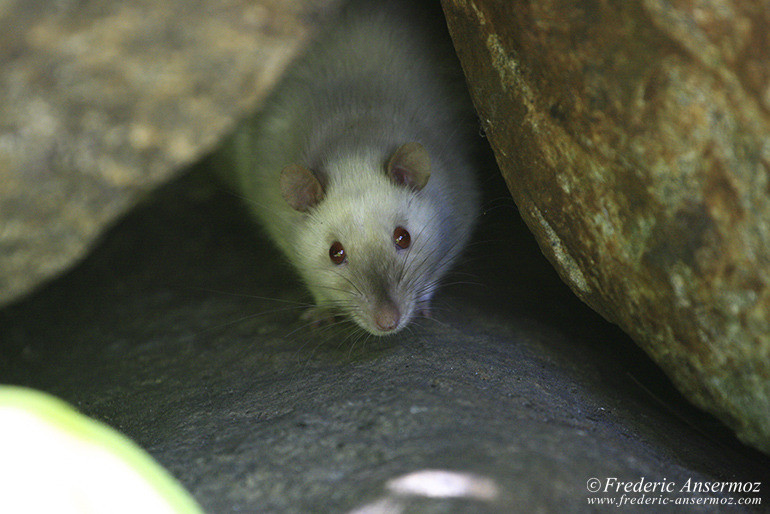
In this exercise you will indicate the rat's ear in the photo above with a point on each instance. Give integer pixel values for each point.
(410, 166)
(300, 187)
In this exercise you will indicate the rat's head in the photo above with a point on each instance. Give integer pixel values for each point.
(367, 245)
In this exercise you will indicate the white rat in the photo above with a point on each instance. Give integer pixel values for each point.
(360, 165)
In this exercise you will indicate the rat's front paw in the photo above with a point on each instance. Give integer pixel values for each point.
(318, 317)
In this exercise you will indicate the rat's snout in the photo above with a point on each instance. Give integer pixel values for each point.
(386, 315)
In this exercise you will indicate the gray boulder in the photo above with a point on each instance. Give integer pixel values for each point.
(104, 100)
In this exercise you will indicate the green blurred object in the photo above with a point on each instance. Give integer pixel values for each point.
(55, 459)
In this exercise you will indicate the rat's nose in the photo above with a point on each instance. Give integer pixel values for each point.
(386, 316)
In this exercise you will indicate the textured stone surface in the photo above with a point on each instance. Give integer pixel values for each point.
(181, 329)
(635, 138)
(102, 100)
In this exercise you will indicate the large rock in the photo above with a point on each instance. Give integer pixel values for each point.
(635, 138)
(182, 330)
(103, 100)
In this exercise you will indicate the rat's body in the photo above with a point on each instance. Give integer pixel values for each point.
(377, 110)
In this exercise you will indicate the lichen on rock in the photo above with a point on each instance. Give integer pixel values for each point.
(635, 139)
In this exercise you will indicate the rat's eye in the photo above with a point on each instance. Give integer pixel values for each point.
(337, 253)
(402, 238)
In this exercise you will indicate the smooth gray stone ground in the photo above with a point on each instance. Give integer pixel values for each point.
(181, 330)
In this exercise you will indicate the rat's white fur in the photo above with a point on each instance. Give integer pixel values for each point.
(378, 78)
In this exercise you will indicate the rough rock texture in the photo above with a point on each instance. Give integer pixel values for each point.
(635, 138)
(181, 329)
(102, 100)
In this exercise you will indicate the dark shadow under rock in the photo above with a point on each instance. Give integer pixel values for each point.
(181, 330)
